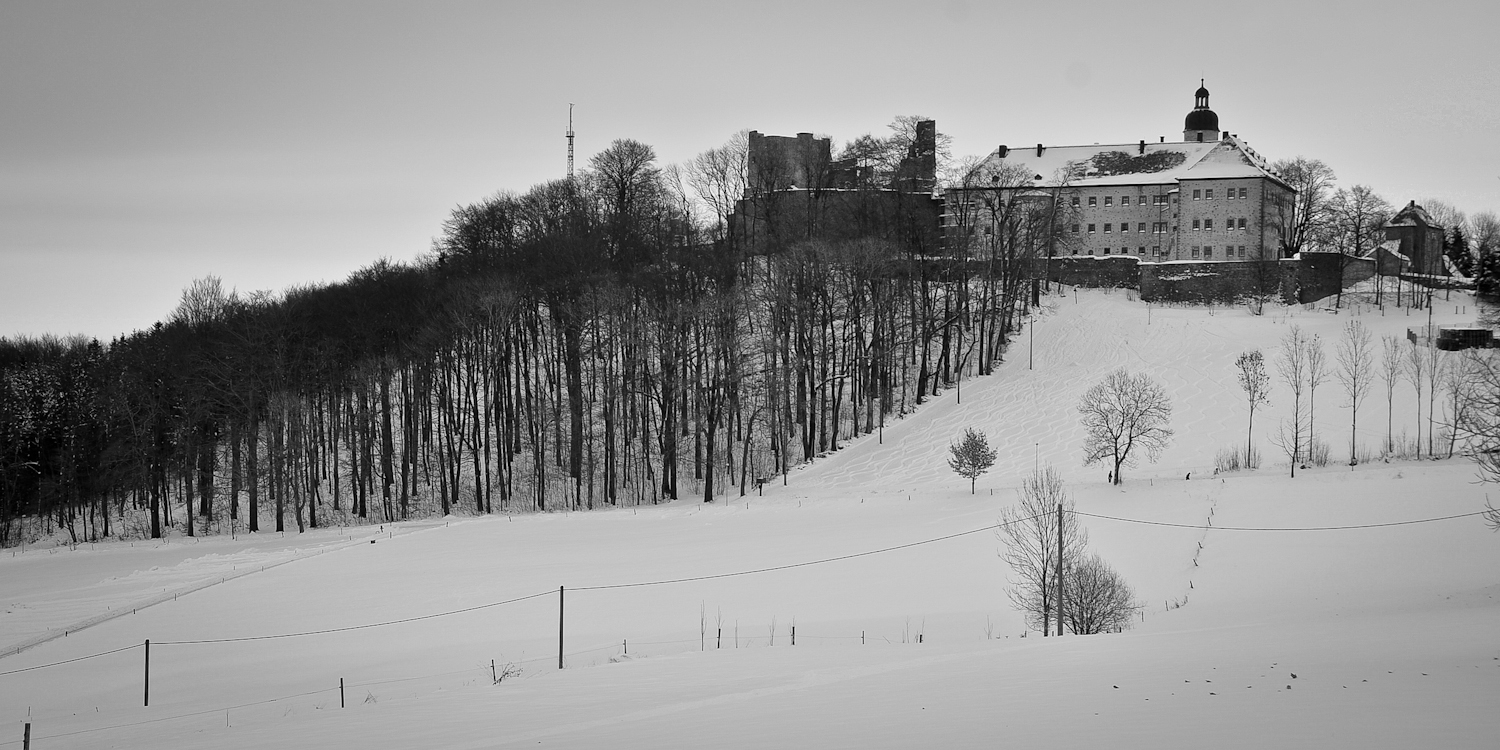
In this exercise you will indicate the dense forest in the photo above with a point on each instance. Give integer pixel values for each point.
(604, 340)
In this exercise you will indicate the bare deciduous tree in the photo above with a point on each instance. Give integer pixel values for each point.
(1414, 368)
(1029, 533)
(1480, 422)
(1257, 386)
(1354, 358)
(1353, 230)
(1390, 373)
(1317, 374)
(1302, 218)
(1122, 416)
(1096, 598)
(1291, 365)
(1459, 376)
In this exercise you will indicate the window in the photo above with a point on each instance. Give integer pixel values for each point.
(1242, 193)
(1124, 200)
(1075, 229)
(1195, 225)
(1208, 194)
(1197, 195)
(1075, 200)
(1109, 200)
(1242, 225)
(1242, 251)
(1208, 251)
(1075, 251)
(1195, 251)
(1229, 194)
(1091, 227)
(1107, 228)
(1156, 249)
(1141, 227)
(1093, 201)
(1140, 251)
(1105, 251)
(1208, 225)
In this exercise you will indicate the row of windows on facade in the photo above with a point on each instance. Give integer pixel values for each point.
(1109, 200)
(1159, 227)
(1161, 200)
(1205, 251)
(1208, 194)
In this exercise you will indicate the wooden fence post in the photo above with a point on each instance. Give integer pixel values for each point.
(146, 697)
(341, 692)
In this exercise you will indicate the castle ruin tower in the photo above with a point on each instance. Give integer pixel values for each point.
(1201, 123)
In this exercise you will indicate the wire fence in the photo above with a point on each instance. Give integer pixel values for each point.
(499, 670)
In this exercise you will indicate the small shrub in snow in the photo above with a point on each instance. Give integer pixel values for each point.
(1227, 459)
(1318, 453)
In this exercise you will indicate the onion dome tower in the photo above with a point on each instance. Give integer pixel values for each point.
(1201, 123)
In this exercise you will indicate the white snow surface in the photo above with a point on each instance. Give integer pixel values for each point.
(1391, 632)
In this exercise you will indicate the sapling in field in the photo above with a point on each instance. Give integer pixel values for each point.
(1257, 386)
(1355, 358)
(971, 456)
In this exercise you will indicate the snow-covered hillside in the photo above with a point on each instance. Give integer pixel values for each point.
(1391, 631)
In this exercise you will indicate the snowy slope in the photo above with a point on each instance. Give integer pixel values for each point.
(1391, 631)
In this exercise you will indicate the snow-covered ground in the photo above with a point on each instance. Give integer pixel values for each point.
(1393, 633)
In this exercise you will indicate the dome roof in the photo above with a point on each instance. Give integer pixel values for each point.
(1201, 92)
(1201, 119)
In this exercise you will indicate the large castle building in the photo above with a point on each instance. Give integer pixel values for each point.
(1208, 197)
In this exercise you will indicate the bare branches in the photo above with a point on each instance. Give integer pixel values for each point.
(1355, 357)
(1098, 599)
(1029, 533)
(1390, 373)
(1122, 416)
(1256, 384)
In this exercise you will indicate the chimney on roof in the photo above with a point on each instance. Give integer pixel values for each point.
(1163, 139)
(1038, 149)
(1143, 147)
(1002, 151)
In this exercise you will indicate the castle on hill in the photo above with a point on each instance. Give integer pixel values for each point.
(1208, 197)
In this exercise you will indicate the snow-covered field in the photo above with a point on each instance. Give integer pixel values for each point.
(1393, 633)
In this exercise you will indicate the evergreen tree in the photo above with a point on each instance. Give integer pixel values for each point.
(1456, 247)
(971, 457)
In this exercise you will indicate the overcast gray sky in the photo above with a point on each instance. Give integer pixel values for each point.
(143, 145)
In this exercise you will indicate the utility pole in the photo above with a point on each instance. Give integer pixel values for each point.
(570, 141)
(1059, 569)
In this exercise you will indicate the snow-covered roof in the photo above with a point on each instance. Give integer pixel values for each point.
(1410, 216)
(1134, 163)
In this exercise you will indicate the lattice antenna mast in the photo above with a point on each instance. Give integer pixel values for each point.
(570, 141)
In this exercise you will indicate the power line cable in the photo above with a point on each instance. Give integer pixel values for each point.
(1281, 528)
(809, 562)
(70, 661)
(173, 718)
(355, 627)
